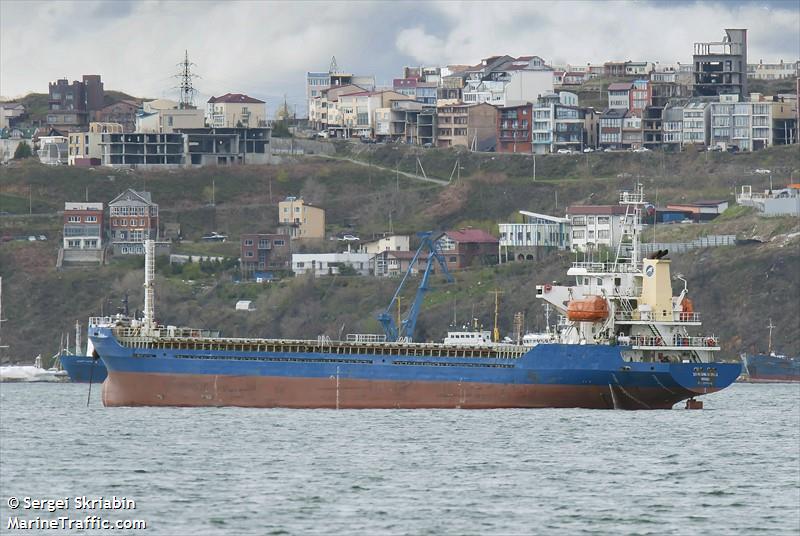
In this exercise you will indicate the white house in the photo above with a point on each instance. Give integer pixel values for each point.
(387, 243)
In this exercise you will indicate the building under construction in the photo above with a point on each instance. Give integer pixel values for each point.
(721, 67)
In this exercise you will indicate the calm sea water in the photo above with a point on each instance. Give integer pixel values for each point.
(733, 468)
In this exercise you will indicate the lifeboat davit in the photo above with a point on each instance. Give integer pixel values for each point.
(591, 309)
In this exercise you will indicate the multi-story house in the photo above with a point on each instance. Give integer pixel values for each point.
(507, 81)
(468, 247)
(262, 251)
(610, 128)
(638, 68)
(83, 232)
(11, 113)
(652, 126)
(463, 125)
(672, 125)
(69, 105)
(640, 95)
(632, 135)
(396, 263)
(318, 84)
(386, 243)
(133, 218)
(324, 112)
(450, 89)
(697, 121)
(557, 125)
(593, 226)
(413, 123)
(234, 110)
(619, 95)
(225, 146)
(745, 125)
(85, 147)
(514, 129)
(166, 116)
(358, 111)
(535, 236)
(300, 220)
(322, 264)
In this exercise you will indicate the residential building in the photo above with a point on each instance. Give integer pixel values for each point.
(464, 125)
(386, 243)
(264, 252)
(614, 69)
(652, 127)
(515, 129)
(619, 95)
(431, 75)
(531, 239)
(745, 125)
(358, 111)
(396, 263)
(122, 112)
(11, 113)
(784, 119)
(83, 232)
(318, 82)
(632, 135)
(323, 111)
(235, 110)
(468, 247)
(672, 125)
(322, 264)
(450, 89)
(165, 116)
(557, 125)
(638, 68)
(507, 81)
(69, 105)
(10, 138)
(773, 71)
(772, 202)
(595, 226)
(84, 148)
(137, 149)
(133, 218)
(721, 67)
(610, 128)
(413, 123)
(301, 220)
(641, 96)
(226, 146)
(697, 121)
(591, 127)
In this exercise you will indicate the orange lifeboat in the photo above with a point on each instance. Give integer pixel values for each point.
(591, 309)
(687, 306)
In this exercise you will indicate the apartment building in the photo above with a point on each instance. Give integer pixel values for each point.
(464, 125)
(264, 251)
(358, 111)
(697, 121)
(507, 81)
(133, 218)
(300, 220)
(632, 135)
(610, 128)
(745, 125)
(165, 116)
(619, 95)
(773, 71)
(672, 125)
(641, 96)
(515, 129)
(557, 125)
(413, 123)
(84, 148)
(235, 110)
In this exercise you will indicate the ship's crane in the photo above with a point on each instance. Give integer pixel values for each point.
(405, 331)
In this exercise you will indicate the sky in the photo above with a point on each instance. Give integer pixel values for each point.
(264, 49)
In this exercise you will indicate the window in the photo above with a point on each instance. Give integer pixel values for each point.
(74, 219)
(579, 220)
(248, 242)
(301, 264)
(248, 253)
(91, 219)
(579, 234)
(603, 220)
(280, 243)
(452, 259)
(263, 243)
(123, 223)
(603, 234)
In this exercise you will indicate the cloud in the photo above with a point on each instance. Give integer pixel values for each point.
(265, 48)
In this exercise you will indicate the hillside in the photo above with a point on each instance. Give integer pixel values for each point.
(36, 104)
(737, 288)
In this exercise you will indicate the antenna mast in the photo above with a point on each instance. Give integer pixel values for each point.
(333, 67)
(770, 327)
(185, 76)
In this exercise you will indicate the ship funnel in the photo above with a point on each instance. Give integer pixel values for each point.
(149, 276)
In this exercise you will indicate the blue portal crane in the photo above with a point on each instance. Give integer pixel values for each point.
(405, 331)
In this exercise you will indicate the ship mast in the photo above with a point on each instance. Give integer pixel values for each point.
(149, 276)
(769, 343)
(632, 226)
(1, 311)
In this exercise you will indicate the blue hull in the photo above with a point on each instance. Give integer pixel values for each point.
(548, 375)
(772, 368)
(79, 368)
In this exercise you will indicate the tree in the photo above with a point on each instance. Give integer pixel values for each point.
(23, 150)
(280, 129)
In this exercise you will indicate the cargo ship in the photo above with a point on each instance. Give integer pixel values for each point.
(770, 367)
(86, 366)
(625, 346)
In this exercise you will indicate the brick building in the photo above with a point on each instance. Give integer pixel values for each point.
(133, 219)
(261, 251)
(468, 247)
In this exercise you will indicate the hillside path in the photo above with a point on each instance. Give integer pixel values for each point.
(390, 170)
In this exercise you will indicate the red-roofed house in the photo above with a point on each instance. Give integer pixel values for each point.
(234, 110)
(468, 247)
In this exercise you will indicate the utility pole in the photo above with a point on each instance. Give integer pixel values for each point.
(534, 167)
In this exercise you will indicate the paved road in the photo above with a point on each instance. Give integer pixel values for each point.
(390, 170)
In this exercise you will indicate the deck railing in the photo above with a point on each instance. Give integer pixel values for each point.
(649, 316)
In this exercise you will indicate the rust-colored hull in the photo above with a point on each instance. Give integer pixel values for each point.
(151, 389)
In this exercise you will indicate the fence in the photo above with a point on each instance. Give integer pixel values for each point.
(711, 241)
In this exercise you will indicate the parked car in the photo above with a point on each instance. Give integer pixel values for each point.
(715, 148)
(42, 237)
(588, 150)
(322, 134)
(564, 151)
(31, 238)
(427, 145)
(349, 238)
(761, 171)
(641, 150)
(215, 237)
